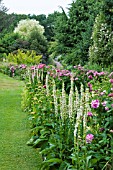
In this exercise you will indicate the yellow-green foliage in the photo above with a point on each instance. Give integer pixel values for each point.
(21, 57)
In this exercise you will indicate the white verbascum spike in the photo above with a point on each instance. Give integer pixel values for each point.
(47, 84)
(63, 103)
(55, 98)
(71, 103)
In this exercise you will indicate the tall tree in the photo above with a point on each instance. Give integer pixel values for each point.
(74, 32)
(3, 16)
(101, 51)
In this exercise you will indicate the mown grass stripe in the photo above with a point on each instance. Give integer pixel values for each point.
(14, 129)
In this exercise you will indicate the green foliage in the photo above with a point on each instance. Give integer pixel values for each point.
(101, 51)
(21, 57)
(73, 32)
(32, 31)
(8, 44)
(25, 28)
(37, 42)
(58, 110)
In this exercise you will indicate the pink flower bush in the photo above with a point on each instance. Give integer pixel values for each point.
(95, 104)
(89, 138)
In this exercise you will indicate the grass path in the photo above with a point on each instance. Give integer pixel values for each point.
(14, 129)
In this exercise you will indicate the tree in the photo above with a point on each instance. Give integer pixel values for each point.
(37, 42)
(7, 44)
(3, 16)
(30, 30)
(73, 32)
(25, 28)
(101, 51)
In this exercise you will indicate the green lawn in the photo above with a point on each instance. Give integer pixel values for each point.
(14, 129)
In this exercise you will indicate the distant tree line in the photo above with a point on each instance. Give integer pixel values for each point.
(83, 35)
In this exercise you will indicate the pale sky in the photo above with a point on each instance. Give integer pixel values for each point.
(36, 7)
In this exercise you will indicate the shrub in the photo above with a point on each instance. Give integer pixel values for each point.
(29, 57)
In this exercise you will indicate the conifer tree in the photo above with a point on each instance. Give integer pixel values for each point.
(73, 32)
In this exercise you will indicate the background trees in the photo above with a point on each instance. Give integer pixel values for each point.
(73, 32)
(82, 35)
(101, 51)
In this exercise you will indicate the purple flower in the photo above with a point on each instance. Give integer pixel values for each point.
(104, 103)
(41, 66)
(102, 93)
(89, 138)
(76, 78)
(110, 95)
(90, 77)
(90, 114)
(90, 86)
(101, 129)
(44, 86)
(33, 67)
(106, 108)
(111, 105)
(95, 104)
(111, 80)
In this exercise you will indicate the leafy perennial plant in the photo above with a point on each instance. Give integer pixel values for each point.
(71, 114)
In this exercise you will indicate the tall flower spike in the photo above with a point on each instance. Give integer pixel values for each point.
(29, 75)
(71, 103)
(55, 98)
(42, 72)
(63, 102)
(86, 110)
(76, 103)
(47, 84)
(37, 74)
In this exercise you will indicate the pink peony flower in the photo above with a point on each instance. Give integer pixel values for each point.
(102, 93)
(41, 66)
(33, 67)
(76, 78)
(110, 95)
(89, 138)
(44, 86)
(90, 114)
(106, 108)
(104, 103)
(90, 86)
(95, 104)
(111, 80)
(90, 77)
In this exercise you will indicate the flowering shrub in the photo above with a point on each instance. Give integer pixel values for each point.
(26, 26)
